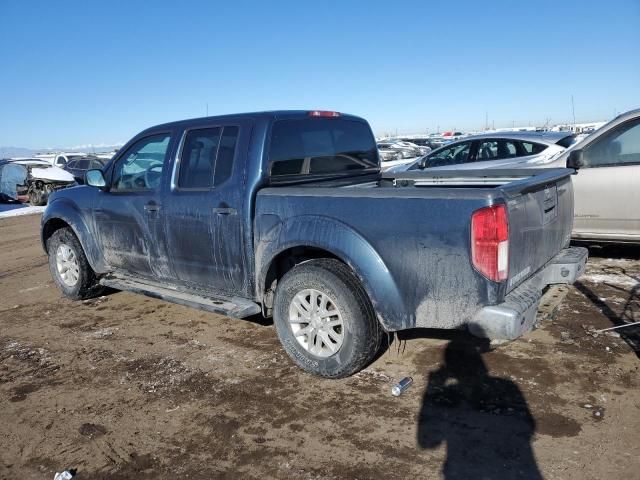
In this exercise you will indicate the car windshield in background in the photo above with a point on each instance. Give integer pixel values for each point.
(567, 141)
(321, 146)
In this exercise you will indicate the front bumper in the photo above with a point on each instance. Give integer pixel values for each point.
(517, 314)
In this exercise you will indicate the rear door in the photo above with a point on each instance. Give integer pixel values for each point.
(607, 187)
(203, 209)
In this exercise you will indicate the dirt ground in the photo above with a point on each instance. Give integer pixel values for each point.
(125, 386)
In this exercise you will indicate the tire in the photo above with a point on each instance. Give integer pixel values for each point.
(77, 267)
(37, 198)
(359, 330)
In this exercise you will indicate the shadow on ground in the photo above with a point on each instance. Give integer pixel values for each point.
(630, 308)
(483, 421)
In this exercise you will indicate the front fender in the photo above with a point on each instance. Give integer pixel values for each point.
(275, 235)
(66, 210)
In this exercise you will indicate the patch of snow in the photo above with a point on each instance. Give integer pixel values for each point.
(17, 209)
(621, 280)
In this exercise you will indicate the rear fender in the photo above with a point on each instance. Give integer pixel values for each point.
(276, 236)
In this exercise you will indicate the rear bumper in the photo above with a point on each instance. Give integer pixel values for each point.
(517, 314)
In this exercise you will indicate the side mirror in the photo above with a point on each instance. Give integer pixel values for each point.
(95, 178)
(575, 159)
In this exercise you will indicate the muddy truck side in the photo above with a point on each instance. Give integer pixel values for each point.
(287, 214)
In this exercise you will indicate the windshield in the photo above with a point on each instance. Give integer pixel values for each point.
(321, 146)
(567, 141)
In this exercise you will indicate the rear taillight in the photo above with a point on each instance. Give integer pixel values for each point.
(323, 113)
(490, 242)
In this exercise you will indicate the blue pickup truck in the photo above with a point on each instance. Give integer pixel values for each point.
(287, 214)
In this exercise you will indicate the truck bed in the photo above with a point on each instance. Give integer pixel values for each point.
(415, 229)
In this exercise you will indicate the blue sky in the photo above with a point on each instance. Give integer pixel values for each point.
(92, 72)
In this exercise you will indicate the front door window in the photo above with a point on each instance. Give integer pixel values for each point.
(621, 147)
(140, 168)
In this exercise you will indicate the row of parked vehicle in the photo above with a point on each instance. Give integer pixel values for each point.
(395, 151)
(34, 179)
(606, 189)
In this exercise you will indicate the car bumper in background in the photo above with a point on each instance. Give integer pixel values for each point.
(517, 314)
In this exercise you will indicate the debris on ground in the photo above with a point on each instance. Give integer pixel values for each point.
(401, 386)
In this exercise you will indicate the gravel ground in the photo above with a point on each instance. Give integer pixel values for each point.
(125, 386)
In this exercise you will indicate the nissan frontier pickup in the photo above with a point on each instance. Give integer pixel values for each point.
(287, 214)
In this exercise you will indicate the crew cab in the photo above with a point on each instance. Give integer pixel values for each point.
(287, 214)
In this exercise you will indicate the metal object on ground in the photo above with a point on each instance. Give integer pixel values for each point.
(65, 475)
(618, 326)
(401, 386)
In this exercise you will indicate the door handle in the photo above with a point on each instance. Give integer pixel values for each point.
(151, 207)
(224, 211)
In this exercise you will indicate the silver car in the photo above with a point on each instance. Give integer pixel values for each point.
(607, 186)
(495, 150)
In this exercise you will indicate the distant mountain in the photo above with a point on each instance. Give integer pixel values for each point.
(10, 152)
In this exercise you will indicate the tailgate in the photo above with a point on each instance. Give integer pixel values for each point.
(540, 222)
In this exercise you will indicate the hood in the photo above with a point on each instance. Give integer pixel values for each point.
(51, 173)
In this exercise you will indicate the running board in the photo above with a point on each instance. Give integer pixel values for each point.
(232, 306)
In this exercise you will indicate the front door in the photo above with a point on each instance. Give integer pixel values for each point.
(203, 214)
(607, 187)
(127, 215)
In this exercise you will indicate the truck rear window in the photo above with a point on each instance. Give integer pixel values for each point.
(320, 146)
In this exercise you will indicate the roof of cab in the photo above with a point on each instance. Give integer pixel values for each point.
(267, 115)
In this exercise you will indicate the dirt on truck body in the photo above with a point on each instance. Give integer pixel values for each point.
(124, 386)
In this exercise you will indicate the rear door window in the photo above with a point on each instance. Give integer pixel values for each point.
(198, 158)
(207, 157)
(321, 146)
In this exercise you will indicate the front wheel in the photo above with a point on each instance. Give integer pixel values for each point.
(325, 320)
(37, 197)
(69, 266)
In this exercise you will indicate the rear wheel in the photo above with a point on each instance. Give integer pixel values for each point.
(69, 266)
(325, 320)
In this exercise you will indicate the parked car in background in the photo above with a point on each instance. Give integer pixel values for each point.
(452, 135)
(59, 159)
(388, 155)
(432, 144)
(79, 166)
(607, 186)
(404, 150)
(420, 149)
(495, 150)
(32, 180)
(281, 213)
